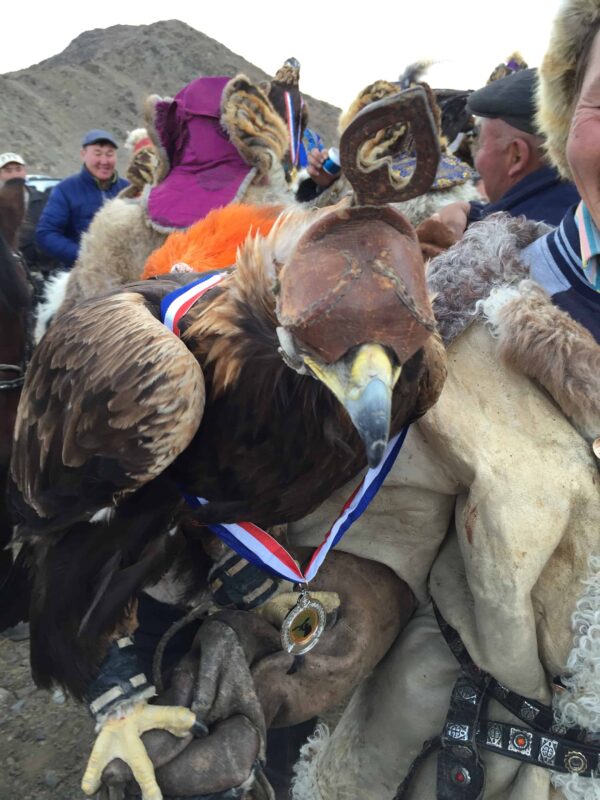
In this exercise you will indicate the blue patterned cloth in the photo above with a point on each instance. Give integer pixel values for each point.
(310, 140)
(589, 240)
(451, 170)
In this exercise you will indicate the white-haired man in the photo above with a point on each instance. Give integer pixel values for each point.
(511, 159)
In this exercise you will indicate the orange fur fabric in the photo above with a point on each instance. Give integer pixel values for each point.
(212, 242)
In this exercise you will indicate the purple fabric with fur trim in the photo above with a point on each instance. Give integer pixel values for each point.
(206, 170)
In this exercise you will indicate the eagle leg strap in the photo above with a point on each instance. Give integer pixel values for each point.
(237, 583)
(119, 680)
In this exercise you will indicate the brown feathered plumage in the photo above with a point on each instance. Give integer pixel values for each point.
(114, 416)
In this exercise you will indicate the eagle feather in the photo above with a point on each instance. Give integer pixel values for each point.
(115, 411)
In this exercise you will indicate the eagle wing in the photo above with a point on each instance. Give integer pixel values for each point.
(111, 398)
(433, 376)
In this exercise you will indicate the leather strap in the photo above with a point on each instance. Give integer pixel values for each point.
(120, 679)
(536, 715)
(429, 746)
(554, 752)
(460, 772)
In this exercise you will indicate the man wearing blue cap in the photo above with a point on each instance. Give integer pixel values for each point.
(74, 201)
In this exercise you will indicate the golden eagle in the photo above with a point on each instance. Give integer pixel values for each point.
(288, 377)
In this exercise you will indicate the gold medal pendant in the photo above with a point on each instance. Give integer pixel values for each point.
(303, 626)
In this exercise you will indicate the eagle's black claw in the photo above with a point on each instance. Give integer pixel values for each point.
(199, 729)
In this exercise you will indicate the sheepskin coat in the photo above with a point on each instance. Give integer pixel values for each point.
(493, 510)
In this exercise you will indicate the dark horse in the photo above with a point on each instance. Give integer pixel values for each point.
(15, 303)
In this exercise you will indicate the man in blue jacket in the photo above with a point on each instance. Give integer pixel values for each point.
(510, 154)
(510, 158)
(74, 201)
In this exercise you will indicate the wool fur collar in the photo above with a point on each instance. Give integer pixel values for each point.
(483, 278)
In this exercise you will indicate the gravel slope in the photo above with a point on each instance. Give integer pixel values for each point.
(102, 79)
(44, 745)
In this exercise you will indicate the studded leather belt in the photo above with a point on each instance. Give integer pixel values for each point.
(540, 741)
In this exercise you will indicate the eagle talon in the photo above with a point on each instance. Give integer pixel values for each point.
(199, 729)
(120, 737)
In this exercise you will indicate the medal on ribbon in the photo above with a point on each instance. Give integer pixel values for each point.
(303, 625)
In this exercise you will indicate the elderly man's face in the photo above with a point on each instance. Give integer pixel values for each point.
(583, 144)
(12, 170)
(100, 160)
(493, 157)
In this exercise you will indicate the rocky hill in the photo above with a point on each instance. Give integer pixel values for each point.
(102, 79)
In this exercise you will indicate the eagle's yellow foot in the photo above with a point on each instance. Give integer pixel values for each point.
(120, 737)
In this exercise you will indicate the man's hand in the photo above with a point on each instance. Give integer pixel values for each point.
(316, 159)
(455, 216)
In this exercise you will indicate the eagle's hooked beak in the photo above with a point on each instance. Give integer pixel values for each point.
(363, 381)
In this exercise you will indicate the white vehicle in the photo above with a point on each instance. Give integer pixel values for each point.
(42, 183)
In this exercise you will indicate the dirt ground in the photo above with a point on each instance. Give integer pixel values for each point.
(44, 744)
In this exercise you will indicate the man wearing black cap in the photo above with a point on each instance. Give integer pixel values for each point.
(510, 157)
(74, 201)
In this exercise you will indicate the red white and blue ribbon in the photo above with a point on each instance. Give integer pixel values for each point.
(175, 305)
(295, 128)
(357, 503)
(260, 548)
(248, 540)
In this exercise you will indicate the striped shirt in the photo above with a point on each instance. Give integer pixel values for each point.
(555, 263)
(589, 239)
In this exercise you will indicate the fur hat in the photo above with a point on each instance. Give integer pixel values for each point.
(137, 139)
(213, 139)
(514, 63)
(143, 165)
(557, 75)
(205, 168)
(284, 93)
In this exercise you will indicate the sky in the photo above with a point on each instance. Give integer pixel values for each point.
(340, 50)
